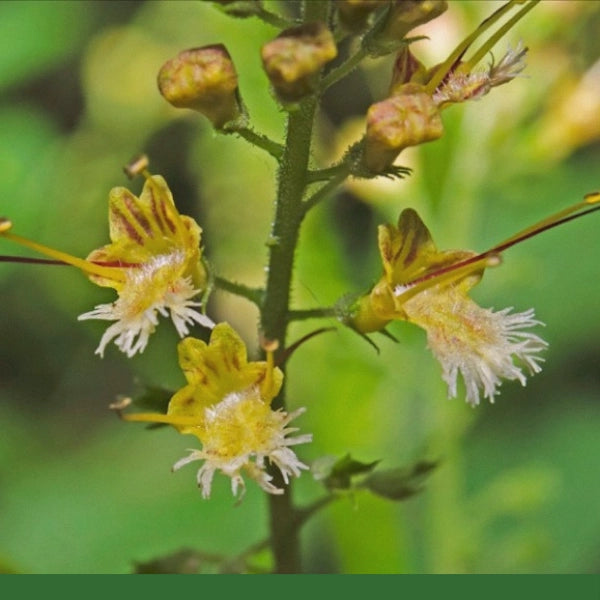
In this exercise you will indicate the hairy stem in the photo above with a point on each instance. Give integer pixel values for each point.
(289, 212)
(239, 289)
(344, 69)
(274, 311)
(259, 140)
(312, 313)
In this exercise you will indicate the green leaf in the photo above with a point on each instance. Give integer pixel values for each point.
(399, 483)
(182, 562)
(339, 475)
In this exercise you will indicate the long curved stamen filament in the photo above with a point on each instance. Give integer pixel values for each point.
(496, 37)
(459, 51)
(32, 261)
(91, 268)
(267, 384)
(491, 257)
(458, 270)
(152, 417)
(161, 418)
(563, 216)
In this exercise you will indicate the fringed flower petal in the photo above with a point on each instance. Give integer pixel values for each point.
(227, 406)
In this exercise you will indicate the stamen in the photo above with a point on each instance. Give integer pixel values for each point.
(5, 224)
(137, 166)
(492, 41)
(491, 257)
(563, 216)
(449, 64)
(447, 274)
(32, 261)
(269, 346)
(86, 266)
(160, 418)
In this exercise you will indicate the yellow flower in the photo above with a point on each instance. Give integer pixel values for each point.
(153, 263)
(226, 404)
(457, 78)
(429, 287)
(463, 84)
(411, 115)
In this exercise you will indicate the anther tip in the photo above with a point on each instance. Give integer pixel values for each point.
(137, 166)
(269, 345)
(5, 224)
(120, 405)
(592, 197)
(493, 260)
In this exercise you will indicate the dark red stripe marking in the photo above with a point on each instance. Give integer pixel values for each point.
(135, 212)
(126, 226)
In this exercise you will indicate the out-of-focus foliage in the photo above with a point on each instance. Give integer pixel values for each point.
(516, 487)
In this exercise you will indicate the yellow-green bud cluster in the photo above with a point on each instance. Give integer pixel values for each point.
(294, 58)
(203, 79)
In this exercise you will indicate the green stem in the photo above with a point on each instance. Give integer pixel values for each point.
(327, 173)
(342, 70)
(239, 563)
(311, 313)
(324, 191)
(274, 19)
(289, 213)
(274, 311)
(259, 140)
(255, 295)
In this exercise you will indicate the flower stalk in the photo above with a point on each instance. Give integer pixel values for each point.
(289, 212)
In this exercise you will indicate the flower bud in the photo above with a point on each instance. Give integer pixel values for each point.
(354, 14)
(408, 14)
(406, 119)
(203, 79)
(402, 17)
(239, 8)
(294, 58)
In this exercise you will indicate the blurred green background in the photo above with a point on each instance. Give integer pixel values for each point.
(518, 485)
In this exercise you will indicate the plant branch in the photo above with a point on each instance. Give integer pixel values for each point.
(274, 19)
(344, 69)
(289, 213)
(274, 310)
(327, 173)
(325, 190)
(311, 313)
(255, 295)
(259, 140)
(301, 515)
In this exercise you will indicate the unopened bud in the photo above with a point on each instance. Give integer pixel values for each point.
(408, 14)
(354, 14)
(407, 69)
(406, 119)
(294, 58)
(203, 79)
(239, 8)
(402, 17)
